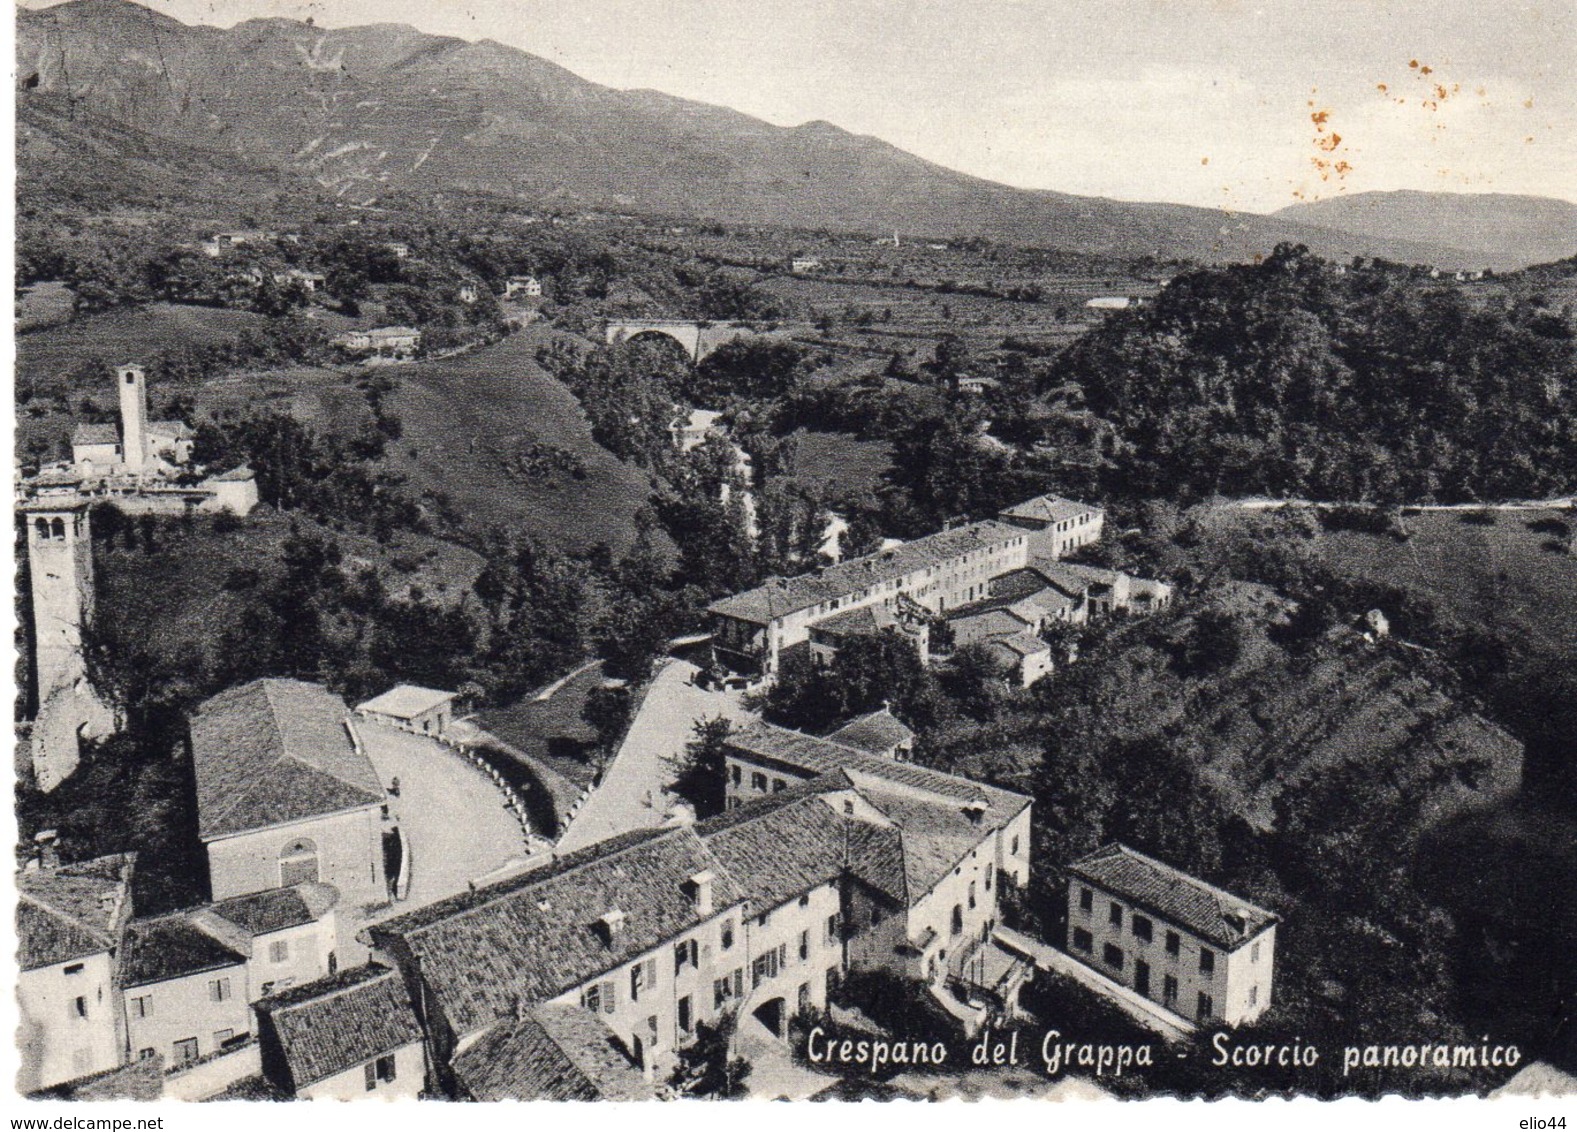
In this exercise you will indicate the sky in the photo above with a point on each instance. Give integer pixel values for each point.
(1225, 103)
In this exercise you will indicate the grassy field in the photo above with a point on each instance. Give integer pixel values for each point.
(463, 415)
(1500, 574)
(841, 462)
(552, 730)
(183, 593)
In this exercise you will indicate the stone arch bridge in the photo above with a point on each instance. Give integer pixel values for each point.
(698, 339)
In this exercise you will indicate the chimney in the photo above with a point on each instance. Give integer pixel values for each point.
(47, 841)
(975, 810)
(612, 923)
(701, 892)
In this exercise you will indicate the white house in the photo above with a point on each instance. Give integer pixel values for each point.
(425, 711)
(1198, 950)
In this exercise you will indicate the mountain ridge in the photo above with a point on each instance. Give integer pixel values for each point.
(383, 107)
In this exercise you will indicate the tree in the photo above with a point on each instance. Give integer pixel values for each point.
(607, 712)
(703, 771)
(708, 1066)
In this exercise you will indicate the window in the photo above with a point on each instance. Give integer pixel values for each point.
(721, 992)
(1173, 943)
(685, 952)
(1253, 953)
(591, 998)
(804, 945)
(733, 772)
(804, 901)
(1169, 990)
(685, 1020)
(79, 1007)
(142, 1006)
(219, 990)
(185, 1051)
(765, 966)
(758, 782)
(1082, 940)
(1115, 915)
(1141, 928)
(803, 998)
(221, 1037)
(1015, 846)
(778, 784)
(74, 968)
(1086, 900)
(876, 915)
(1253, 995)
(971, 894)
(761, 920)
(1207, 1007)
(1207, 961)
(728, 934)
(145, 1052)
(637, 980)
(279, 951)
(958, 919)
(834, 924)
(989, 870)
(1113, 955)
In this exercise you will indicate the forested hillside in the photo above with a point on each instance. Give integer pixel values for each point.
(1369, 382)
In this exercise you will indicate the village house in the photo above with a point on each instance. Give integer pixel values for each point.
(343, 1037)
(311, 281)
(286, 795)
(424, 711)
(468, 293)
(289, 935)
(905, 618)
(139, 446)
(1060, 525)
(803, 265)
(222, 243)
(1195, 949)
(382, 344)
(185, 992)
(877, 733)
(856, 861)
(70, 923)
(557, 1052)
(522, 286)
(399, 251)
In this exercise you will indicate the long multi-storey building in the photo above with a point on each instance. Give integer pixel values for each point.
(751, 630)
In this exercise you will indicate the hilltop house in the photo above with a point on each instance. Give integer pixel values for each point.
(285, 794)
(70, 924)
(312, 281)
(1195, 949)
(527, 286)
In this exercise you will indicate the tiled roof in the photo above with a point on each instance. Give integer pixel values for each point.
(254, 1088)
(340, 1022)
(875, 733)
(95, 434)
(783, 596)
(555, 1053)
(810, 756)
(276, 751)
(526, 939)
(175, 430)
(140, 1080)
(986, 625)
(260, 913)
(171, 947)
(936, 836)
(1019, 645)
(405, 701)
(234, 475)
(779, 851)
(1048, 509)
(1209, 912)
(72, 911)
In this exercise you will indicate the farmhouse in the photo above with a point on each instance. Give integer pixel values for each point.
(285, 794)
(1060, 525)
(312, 281)
(527, 286)
(1196, 949)
(382, 344)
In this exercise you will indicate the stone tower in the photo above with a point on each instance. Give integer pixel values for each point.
(133, 386)
(60, 563)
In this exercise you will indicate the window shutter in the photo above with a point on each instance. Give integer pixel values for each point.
(609, 990)
(651, 972)
(371, 1073)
